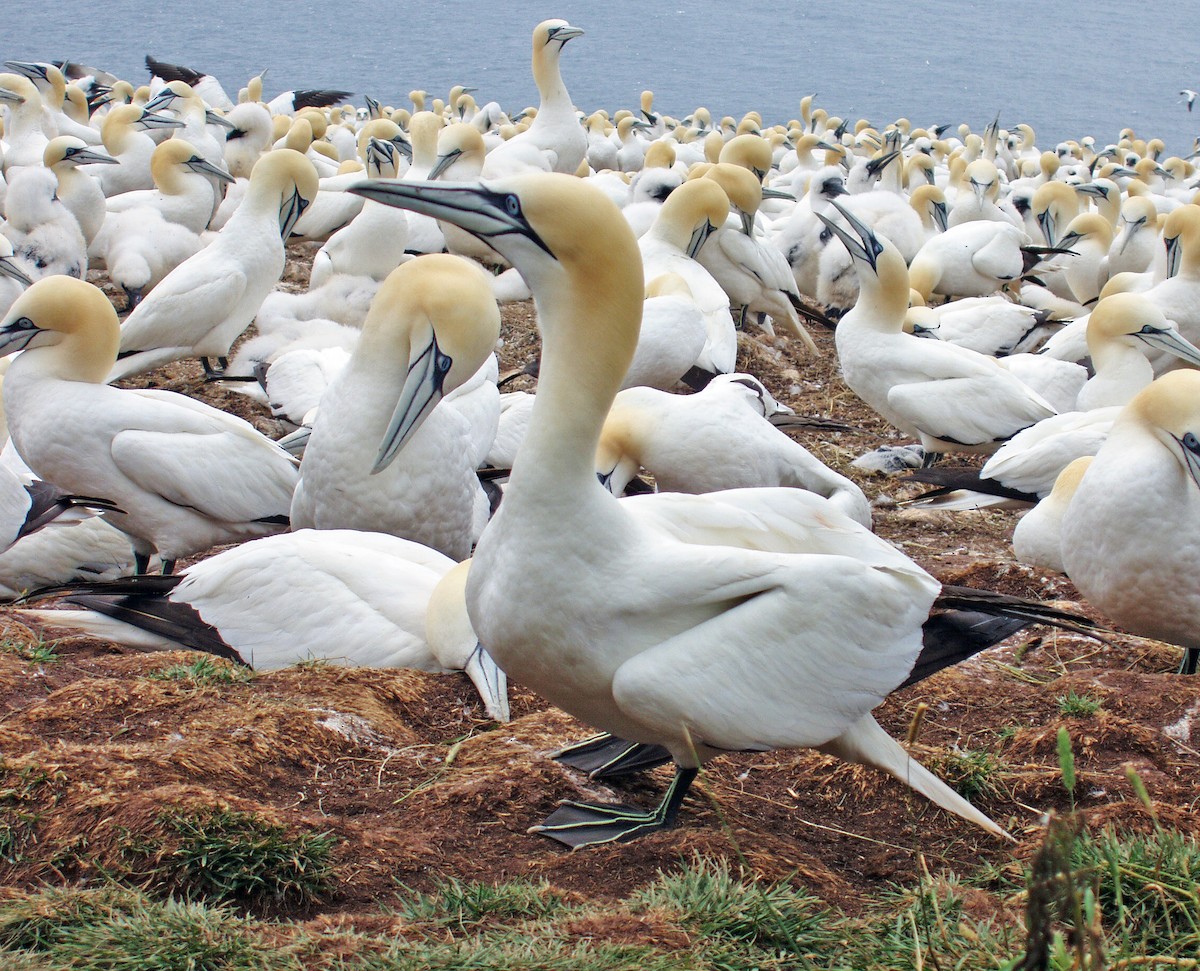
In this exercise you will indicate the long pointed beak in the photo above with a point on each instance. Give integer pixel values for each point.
(444, 162)
(747, 220)
(404, 146)
(205, 167)
(10, 269)
(88, 156)
(769, 193)
(290, 213)
(150, 120)
(1170, 340)
(28, 69)
(490, 682)
(17, 335)
(161, 100)
(854, 247)
(1128, 233)
(564, 34)
(941, 215)
(472, 206)
(11, 97)
(1174, 255)
(871, 247)
(212, 118)
(420, 394)
(1046, 221)
(699, 236)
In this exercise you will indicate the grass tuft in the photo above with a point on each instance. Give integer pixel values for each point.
(708, 896)
(463, 905)
(972, 773)
(35, 652)
(203, 671)
(1074, 705)
(234, 857)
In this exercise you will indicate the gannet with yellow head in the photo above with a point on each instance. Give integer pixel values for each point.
(704, 624)
(185, 476)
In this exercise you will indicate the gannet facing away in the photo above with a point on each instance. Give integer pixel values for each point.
(202, 305)
(185, 476)
(726, 622)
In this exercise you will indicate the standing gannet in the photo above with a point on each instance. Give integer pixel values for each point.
(185, 476)
(704, 624)
(341, 596)
(205, 303)
(954, 399)
(79, 191)
(555, 133)
(718, 438)
(52, 85)
(26, 131)
(432, 326)
(1129, 535)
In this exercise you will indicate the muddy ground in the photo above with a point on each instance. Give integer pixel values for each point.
(417, 785)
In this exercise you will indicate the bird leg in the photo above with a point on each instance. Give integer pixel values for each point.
(1190, 657)
(577, 824)
(605, 756)
(141, 563)
(168, 567)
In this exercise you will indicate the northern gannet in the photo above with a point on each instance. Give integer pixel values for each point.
(80, 192)
(1129, 534)
(183, 186)
(45, 236)
(387, 453)
(555, 134)
(953, 398)
(185, 476)
(1037, 537)
(205, 303)
(341, 596)
(704, 624)
(126, 139)
(718, 438)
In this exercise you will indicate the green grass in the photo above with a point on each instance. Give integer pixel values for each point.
(1111, 900)
(972, 773)
(36, 652)
(1073, 705)
(204, 670)
(21, 792)
(233, 857)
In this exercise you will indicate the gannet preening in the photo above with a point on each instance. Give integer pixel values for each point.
(185, 476)
(953, 398)
(1129, 534)
(202, 305)
(718, 438)
(725, 622)
(342, 596)
(555, 134)
(388, 451)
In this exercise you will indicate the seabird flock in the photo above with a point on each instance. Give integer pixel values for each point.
(1039, 307)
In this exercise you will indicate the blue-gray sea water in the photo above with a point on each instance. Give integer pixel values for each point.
(1069, 68)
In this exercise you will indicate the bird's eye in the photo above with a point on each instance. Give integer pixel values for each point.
(512, 205)
(826, 235)
(23, 323)
(1150, 330)
(443, 363)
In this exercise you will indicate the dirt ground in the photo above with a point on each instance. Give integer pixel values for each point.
(418, 785)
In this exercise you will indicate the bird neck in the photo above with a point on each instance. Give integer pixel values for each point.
(548, 79)
(589, 333)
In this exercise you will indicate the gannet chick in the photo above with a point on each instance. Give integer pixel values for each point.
(718, 438)
(349, 598)
(952, 398)
(138, 248)
(689, 622)
(185, 475)
(80, 192)
(432, 326)
(45, 236)
(1128, 536)
(555, 134)
(206, 302)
